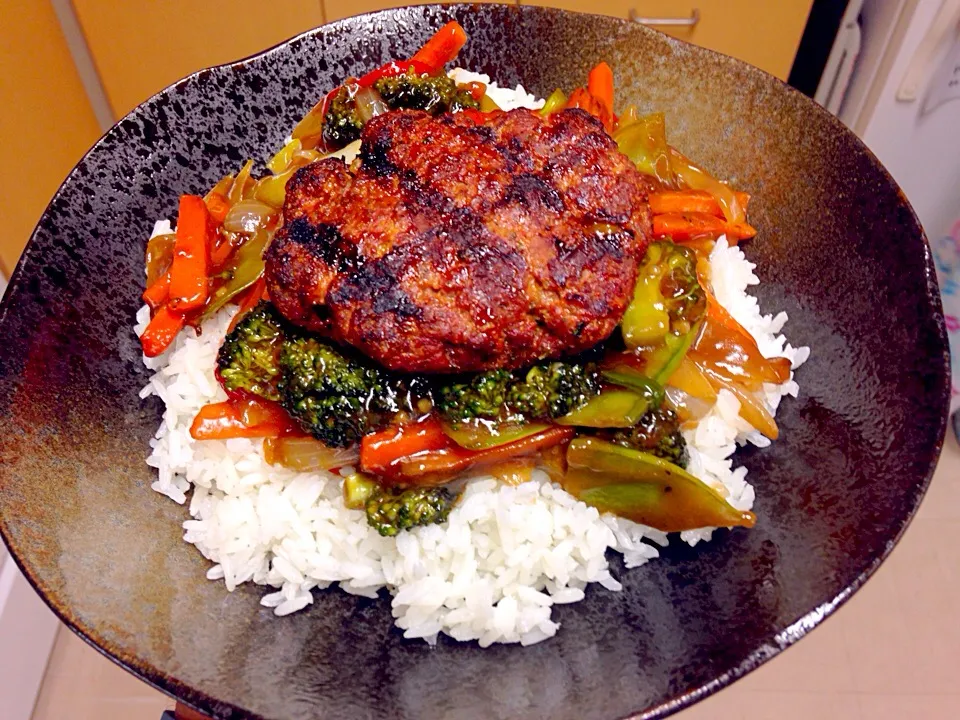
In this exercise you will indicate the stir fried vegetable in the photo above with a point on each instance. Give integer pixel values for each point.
(545, 391)
(391, 510)
(683, 227)
(415, 84)
(306, 454)
(657, 433)
(334, 397)
(644, 141)
(161, 331)
(669, 202)
(249, 358)
(247, 417)
(608, 429)
(645, 488)
(433, 94)
(667, 298)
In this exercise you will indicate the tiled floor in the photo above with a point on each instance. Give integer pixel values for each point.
(892, 653)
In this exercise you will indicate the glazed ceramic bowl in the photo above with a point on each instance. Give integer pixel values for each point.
(839, 249)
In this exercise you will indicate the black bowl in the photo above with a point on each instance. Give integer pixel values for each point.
(839, 249)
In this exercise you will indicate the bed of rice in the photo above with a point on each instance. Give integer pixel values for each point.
(505, 556)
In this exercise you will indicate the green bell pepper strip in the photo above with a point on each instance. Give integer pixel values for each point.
(246, 269)
(645, 143)
(645, 488)
(639, 382)
(357, 489)
(612, 408)
(481, 435)
(554, 103)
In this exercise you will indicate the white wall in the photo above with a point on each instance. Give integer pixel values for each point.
(27, 632)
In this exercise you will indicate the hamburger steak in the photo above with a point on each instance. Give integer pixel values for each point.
(464, 242)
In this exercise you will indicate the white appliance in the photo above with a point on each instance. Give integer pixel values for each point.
(903, 100)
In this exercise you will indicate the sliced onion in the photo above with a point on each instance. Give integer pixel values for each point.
(247, 216)
(696, 178)
(688, 407)
(305, 454)
(369, 104)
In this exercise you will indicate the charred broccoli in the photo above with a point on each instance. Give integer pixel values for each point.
(658, 433)
(343, 122)
(480, 396)
(393, 510)
(434, 94)
(547, 390)
(334, 397)
(249, 356)
(667, 298)
(551, 390)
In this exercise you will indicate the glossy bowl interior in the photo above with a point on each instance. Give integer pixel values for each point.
(839, 249)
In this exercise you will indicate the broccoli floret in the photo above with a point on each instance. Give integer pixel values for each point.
(334, 397)
(434, 94)
(392, 510)
(658, 433)
(249, 356)
(481, 396)
(545, 391)
(551, 390)
(341, 123)
(667, 297)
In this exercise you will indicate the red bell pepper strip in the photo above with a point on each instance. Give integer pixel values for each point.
(378, 451)
(442, 47)
(600, 86)
(392, 69)
(435, 466)
(189, 282)
(246, 417)
(161, 331)
(421, 453)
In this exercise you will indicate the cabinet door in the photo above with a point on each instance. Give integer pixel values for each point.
(764, 33)
(141, 47)
(46, 124)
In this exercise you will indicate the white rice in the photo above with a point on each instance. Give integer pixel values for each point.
(505, 556)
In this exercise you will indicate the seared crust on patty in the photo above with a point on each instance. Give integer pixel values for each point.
(464, 243)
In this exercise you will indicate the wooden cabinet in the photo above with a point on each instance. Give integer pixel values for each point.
(764, 33)
(141, 47)
(46, 124)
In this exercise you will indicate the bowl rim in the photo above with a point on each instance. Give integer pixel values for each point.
(182, 692)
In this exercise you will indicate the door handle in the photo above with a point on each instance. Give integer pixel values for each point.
(689, 22)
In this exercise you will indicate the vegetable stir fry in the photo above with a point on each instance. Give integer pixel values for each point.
(607, 424)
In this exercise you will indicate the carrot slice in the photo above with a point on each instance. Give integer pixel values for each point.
(681, 227)
(161, 331)
(189, 285)
(442, 47)
(690, 201)
(156, 295)
(600, 85)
